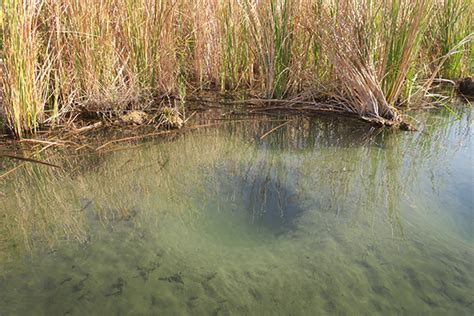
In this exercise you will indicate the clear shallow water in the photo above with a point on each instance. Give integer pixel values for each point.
(322, 216)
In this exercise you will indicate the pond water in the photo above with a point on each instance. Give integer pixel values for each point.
(322, 216)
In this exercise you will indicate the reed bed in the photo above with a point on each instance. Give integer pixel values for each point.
(366, 57)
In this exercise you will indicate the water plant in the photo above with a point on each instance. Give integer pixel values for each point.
(27, 66)
(367, 57)
(452, 25)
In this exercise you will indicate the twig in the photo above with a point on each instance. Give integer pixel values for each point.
(85, 206)
(31, 160)
(30, 140)
(189, 117)
(274, 129)
(133, 138)
(88, 127)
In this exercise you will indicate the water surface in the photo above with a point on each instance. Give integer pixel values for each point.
(322, 216)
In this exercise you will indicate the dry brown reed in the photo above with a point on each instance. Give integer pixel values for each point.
(111, 55)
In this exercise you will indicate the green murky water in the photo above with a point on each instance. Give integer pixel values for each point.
(322, 216)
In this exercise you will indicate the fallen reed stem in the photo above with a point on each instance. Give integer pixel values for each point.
(30, 160)
(275, 128)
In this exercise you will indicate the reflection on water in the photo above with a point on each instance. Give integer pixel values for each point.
(323, 216)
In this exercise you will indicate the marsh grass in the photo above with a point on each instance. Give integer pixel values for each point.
(115, 55)
(373, 48)
(27, 66)
(452, 25)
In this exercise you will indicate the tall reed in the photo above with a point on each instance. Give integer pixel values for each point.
(373, 47)
(235, 60)
(27, 65)
(452, 25)
(401, 40)
(112, 55)
(271, 32)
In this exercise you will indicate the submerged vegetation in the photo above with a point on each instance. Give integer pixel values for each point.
(272, 181)
(357, 56)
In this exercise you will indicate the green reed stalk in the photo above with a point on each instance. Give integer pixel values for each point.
(142, 28)
(403, 33)
(272, 34)
(454, 23)
(26, 73)
(282, 42)
(227, 76)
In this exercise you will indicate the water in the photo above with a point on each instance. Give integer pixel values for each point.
(322, 216)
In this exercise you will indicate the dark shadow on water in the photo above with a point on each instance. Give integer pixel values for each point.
(267, 200)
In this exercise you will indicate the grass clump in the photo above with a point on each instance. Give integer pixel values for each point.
(27, 66)
(373, 49)
(453, 24)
